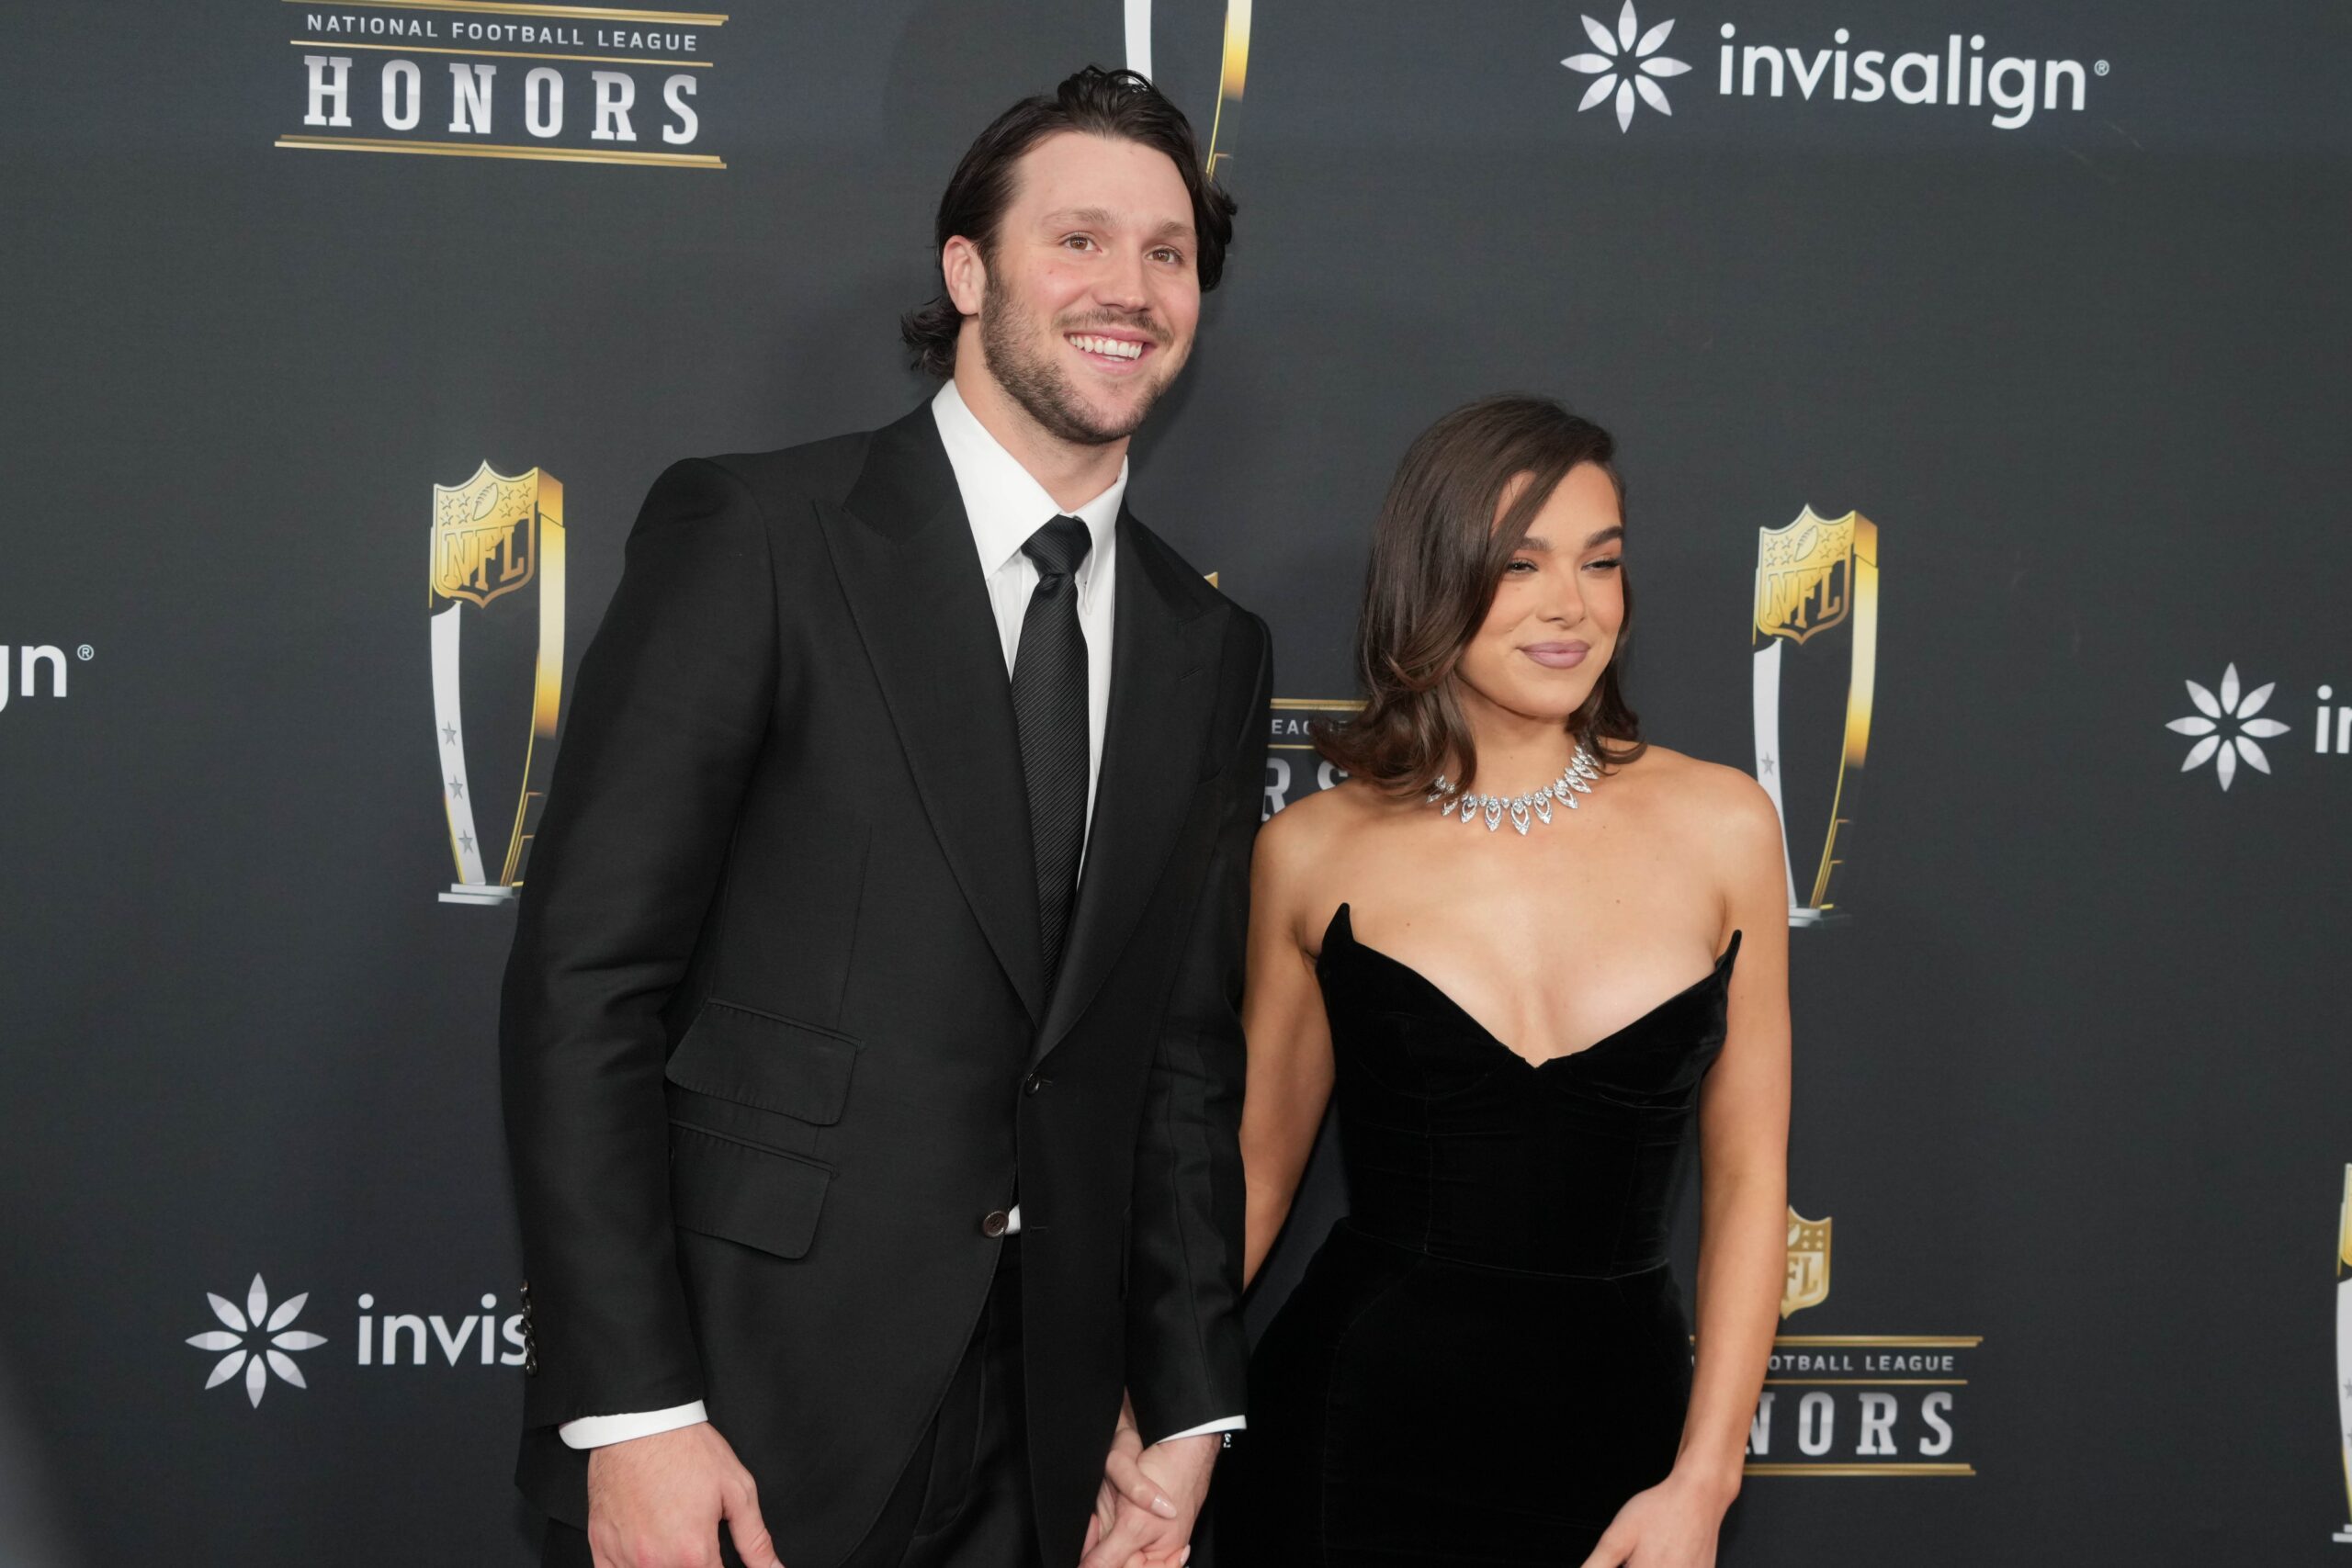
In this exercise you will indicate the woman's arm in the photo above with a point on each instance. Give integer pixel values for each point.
(1743, 1148)
(1743, 1237)
(1289, 1039)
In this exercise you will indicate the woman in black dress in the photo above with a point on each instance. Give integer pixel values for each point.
(1528, 952)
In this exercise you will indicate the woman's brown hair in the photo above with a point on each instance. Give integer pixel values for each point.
(1438, 554)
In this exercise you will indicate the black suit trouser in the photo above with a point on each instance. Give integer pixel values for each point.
(963, 1500)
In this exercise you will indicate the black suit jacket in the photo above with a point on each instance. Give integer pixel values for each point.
(776, 1033)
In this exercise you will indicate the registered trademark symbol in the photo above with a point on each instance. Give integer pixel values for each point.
(2099, 68)
(85, 653)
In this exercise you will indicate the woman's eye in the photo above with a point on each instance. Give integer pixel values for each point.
(1607, 563)
(1517, 565)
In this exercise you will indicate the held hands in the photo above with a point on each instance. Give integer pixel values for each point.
(1145, 1509)
(657, 1502)
(1672, 1525)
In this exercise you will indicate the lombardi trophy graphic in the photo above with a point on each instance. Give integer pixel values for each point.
(1815, 575)
(2344, 1346)
(497, 595)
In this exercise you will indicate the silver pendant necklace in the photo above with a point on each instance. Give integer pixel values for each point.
(1536, 804)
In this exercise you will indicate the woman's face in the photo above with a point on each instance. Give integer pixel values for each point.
(1553, 625)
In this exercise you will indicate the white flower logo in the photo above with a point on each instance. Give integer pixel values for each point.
(2225, 750)
(259, 1342)
(1626, 66)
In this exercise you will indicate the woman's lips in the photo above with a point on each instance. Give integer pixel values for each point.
(1556, 655)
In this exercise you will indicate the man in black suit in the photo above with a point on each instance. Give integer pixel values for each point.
(872, 1060)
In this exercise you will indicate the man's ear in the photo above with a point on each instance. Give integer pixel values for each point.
(966, 273)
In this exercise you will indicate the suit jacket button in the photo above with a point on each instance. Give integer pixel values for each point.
(994, 1222)
(1033, 1084)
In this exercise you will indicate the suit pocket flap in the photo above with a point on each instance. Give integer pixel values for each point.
(733, 1190)
(769, 1063)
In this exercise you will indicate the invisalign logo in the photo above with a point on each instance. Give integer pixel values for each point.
(1627, 65)
(1843, 76)
(1959, 75)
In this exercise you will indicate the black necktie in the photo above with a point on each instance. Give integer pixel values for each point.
(1049, 704)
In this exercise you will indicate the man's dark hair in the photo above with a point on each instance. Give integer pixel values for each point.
(1104, 103)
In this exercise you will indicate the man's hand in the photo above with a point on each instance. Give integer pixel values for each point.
(1149, 1499)
(657, 1502)
(1126, 1444)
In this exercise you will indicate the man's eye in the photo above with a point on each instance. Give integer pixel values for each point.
(1078, 242)
(1173, 258)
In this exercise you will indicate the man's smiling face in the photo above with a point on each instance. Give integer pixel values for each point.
(1090, 296)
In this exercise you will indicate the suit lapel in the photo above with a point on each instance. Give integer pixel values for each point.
(1160, 692)
(905, 558)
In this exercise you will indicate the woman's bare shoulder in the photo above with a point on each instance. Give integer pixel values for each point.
(1719, 805)
(1304, 841)
(1293, 862)
(1314, 824)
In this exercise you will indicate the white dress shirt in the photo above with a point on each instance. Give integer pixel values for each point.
(1005, 505)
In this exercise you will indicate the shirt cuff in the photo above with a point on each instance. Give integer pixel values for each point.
(600, 1431)
(1230, 1424)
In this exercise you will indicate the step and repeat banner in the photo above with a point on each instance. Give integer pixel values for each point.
(1977, 367)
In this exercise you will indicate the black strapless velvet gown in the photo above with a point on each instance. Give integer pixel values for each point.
(1490, 1354)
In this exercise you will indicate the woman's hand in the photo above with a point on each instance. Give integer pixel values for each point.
(1672, 1525)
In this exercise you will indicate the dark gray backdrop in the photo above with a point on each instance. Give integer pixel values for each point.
(2071, 1075)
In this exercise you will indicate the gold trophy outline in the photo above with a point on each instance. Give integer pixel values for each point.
(493, 536)
(2344, 1349)
(1233, 70)
(1813, 574)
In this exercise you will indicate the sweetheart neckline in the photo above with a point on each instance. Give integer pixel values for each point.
(1344, 919)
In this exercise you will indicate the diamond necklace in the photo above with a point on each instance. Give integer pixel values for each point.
(1577, 779)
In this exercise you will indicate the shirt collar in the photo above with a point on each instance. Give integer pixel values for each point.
(1004, 502)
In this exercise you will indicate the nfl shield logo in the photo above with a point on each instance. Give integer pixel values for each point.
(1808, 1280)
(1805, 575)
(485, 535)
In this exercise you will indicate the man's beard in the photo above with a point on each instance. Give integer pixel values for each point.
(1040, 387)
